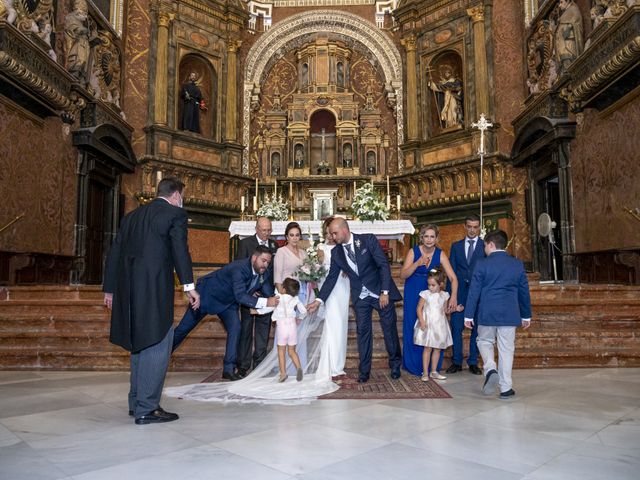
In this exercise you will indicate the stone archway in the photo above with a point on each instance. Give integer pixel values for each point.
(278, 37)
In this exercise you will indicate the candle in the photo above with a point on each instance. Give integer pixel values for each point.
(290, 189)
(398, 202)
(158, 176)
(242, 204)
(275, 188)
(388, 202)
(256, 186)
(355, 188)
(255, 203)
(388, 193)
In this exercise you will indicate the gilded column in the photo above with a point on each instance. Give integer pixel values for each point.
(162, 58)
(480, 60)
(231, 123)
(409, 44)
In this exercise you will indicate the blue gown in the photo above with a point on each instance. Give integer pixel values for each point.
(416, 283)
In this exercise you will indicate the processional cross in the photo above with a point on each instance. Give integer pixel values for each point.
(482, 125)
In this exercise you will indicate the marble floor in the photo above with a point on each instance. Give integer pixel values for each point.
(564, 424)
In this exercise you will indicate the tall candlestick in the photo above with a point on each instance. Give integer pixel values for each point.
(242, 204)
(388, 192)
(275, 188)
(158, 176)
(355, 187)
(389, 202)
(256, 186)
(398, 202)
(255, 203)
(291, 190)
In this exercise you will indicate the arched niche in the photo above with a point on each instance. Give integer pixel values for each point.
(207, 81)
(322, 142)
(445, 92)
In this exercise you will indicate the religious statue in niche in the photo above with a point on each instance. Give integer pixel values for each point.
(347, 156)
(305, 75)
(275, 164)
(323, 166)
(568, 36)
(77, 41)
(298, 161)
(449, 97)
(371, 162)
(340, 74)
(192, 103)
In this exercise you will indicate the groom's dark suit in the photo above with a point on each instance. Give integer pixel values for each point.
(373, 273)
(221, 293)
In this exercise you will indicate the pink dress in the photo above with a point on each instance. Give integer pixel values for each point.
(285, 317)
(286, 263)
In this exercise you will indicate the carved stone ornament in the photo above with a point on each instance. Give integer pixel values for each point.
(105, 81)
(540, 63)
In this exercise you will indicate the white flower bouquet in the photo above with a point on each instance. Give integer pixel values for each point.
(368, 205)
(274, 209)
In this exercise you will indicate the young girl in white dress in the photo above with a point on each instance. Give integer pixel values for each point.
(432, 328)
(287, 326)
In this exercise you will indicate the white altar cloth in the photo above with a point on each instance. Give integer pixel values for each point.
(389, 230)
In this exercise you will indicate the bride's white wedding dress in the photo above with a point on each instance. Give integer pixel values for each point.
(326, 352)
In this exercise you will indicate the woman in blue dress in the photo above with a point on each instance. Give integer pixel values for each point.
(419, 260)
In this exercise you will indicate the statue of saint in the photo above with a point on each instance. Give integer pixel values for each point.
(568, 36)
(275, 164)
(347, 161)
(191, 97)
(76, 40)
(449, 97)
(340, 75)
(371, 162)
(298, 161)
(7, 11)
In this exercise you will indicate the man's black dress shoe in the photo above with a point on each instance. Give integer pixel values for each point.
(363, 378)
(231, 376)
(475, 370)
(508, 394)
(157, 416)
(242, 372)
(395, 374)
(454, 368)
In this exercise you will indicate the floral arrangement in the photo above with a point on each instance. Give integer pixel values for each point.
(311, 270)
(274, 209)
(367, 204)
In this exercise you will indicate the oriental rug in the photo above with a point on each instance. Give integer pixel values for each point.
(379, 387)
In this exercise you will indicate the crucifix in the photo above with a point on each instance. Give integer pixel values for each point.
(323, 155)
(481, 125)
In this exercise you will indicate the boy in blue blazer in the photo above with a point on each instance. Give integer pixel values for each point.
(499, 299)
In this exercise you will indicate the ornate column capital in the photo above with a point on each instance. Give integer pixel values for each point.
(476, 13)
(409, 43)
(165, 18)
(233, 45)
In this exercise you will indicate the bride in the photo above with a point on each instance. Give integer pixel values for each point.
(326, 349)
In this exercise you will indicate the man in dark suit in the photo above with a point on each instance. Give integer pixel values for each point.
(499, 299)
(254, 326)
(139, 288)
(372, 288)
(221, 294)
(464, 255)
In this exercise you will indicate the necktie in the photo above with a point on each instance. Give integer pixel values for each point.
(350, 253)
(470, 250)
(254, 282)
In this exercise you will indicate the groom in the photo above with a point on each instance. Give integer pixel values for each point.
(361, 257)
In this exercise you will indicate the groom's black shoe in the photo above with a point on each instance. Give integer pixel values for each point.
(395, 374)
(157, 416)
(363, 378)
(242, 372)
(231, 376)
(454, 368)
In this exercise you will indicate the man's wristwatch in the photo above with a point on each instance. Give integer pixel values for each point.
(385, 292)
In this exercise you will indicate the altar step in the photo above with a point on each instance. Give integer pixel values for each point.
(64, 327)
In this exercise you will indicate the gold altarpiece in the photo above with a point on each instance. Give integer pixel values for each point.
(322, 122)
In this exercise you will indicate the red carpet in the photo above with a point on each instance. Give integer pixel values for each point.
(379, 387)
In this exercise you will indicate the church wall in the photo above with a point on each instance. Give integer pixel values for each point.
(605, 173)
(507, 83)
(38, 180)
